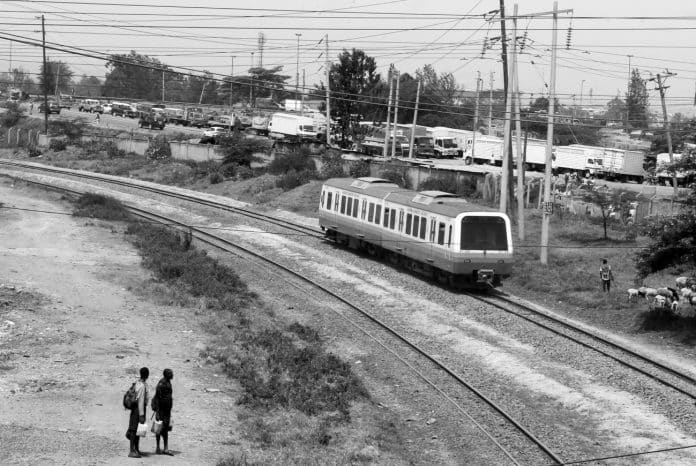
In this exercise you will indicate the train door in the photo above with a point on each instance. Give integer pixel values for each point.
(430, 239)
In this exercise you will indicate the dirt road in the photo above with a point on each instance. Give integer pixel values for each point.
(72, 337)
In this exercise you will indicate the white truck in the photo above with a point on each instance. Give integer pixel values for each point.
(292, 127)
(623, 165)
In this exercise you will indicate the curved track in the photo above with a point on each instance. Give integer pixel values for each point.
(228, 246)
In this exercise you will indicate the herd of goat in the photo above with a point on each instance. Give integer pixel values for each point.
(667, 297)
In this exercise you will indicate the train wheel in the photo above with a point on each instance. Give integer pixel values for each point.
(394, 258)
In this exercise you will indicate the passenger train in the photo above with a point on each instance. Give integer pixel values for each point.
(430, 232)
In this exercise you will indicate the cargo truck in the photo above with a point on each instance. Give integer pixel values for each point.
(292, 127)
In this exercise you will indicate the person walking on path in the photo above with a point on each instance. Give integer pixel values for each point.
(137, 415)
(605, 275)
(162, 406)
(97, 119)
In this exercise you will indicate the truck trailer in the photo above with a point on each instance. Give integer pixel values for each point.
(292, 127)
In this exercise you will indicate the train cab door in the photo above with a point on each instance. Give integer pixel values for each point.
(430, 238)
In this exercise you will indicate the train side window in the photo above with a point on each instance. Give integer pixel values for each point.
(349, 207)
(386, 217)
(449, 236)
(432, 230)
(378, 213)
(392, 219)
(328, 200)
(401, 220)
(371, 212)
(364, 210)
(343, 204)
(355, 207)
(409, 218)
(416, 222)
(423, 226)
(336, 204)
(323, 194)
(441, 233)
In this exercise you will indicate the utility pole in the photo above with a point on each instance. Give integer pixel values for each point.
(661, 87)
(396, 114)
(389, 104)
(231, 78)
(297, 74)
(251, 87)
(303, 90)
(45, 74)
(582, 84)
(507, 165)
(163, 86)
(415, 118)
(328, 90)
(476, 114)
(490, 108)
(55, 92)
(548, 206)
(518, 130)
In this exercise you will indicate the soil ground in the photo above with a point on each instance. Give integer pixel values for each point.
(71, 329)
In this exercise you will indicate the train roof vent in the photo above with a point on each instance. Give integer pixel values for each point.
(428, 197)
(367, 181)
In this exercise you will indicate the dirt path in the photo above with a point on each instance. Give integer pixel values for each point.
(72, 337)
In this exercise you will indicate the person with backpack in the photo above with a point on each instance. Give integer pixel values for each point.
(135, 399)
(162, 406)
(605, 275)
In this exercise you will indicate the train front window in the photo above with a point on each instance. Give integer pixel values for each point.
(484, 233)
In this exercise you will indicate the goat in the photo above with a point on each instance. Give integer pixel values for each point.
(660, 302)
(686, 293)
(675, 293)
(682, 281)
(674, 306)
(632, 294)
(641, 291)
(650, 293)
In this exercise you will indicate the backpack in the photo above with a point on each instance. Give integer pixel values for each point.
(130, 398)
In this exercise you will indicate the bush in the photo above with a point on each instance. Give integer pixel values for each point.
(73, 130)
(296, 160)
(57, 145)
(450, 183)
(112, 150)
(99, 206)
(359, 169)
(293, 179)
(332, 165)
(158, 148)
(216, 177)
(34, 151)
(12, 114)
(239, 150)
(244, 173)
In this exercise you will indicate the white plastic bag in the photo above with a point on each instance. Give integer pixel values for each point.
(142, 430)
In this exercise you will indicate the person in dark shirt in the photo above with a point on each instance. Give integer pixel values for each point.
(162, 404)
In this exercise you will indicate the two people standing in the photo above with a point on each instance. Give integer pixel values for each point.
(162, 406)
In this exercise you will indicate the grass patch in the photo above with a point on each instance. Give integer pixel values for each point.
(99, 206)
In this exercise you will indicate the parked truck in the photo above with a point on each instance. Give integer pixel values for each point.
(623, 165)
(292, 127)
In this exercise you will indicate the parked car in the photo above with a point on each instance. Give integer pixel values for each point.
(123, 110)
(212, 134)
(106, 108)
(53, 107)
(152, 120)
(90, 105)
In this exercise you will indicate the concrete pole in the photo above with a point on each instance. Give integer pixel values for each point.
(328, 91)
(415, 117)
(490, 107)
(667, 131)
(389, 104)
(396, 114)
(45, 75)
(297, 74)
(476, 114)
(546, 216)
(505, 178)
(518, 130)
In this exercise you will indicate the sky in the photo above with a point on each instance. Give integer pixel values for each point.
(223, 37)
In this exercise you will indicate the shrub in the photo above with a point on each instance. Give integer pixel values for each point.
(450, 183)
(295, 160)
(293, 179)
(158, 149)
(71, 129)
(112, 150)
(99, 206)
(239, 149)
(244, 173)
(57, 145)
(216, 177)
(332, 165)
(359, 168)
(12, 114)
(33, 151)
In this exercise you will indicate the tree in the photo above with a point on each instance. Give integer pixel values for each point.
(609, 202)
(134, 76)
(439, 102)
(352, 81)
(616, 109)
(58, 77)
(673, 239)
(238, 149)
(637, 101)
(88, 86)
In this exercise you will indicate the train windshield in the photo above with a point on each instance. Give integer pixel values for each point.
(483, 233)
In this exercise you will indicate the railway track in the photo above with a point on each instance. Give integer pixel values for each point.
(622, 354)
(543, 451)
(627, 357)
